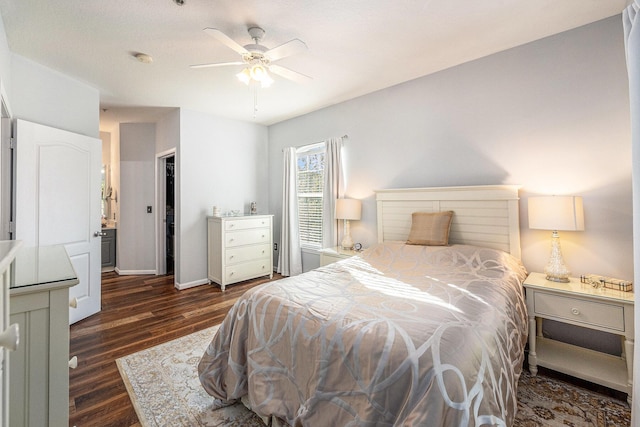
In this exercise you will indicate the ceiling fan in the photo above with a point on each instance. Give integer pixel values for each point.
(258, 59)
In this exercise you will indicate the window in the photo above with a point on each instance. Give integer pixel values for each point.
(310, 186)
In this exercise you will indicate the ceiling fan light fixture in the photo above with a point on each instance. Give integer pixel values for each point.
(258, 72)
(244, 76)
(266, 81)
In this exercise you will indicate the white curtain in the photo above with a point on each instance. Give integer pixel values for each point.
(632, 45)
(333, 187)
(290, 254)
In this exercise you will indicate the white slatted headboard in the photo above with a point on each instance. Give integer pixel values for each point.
(484, 215)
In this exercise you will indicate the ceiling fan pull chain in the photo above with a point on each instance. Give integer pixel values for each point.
(255, 101)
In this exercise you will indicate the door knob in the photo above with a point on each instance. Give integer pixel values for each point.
(99, 234)
(10, 338)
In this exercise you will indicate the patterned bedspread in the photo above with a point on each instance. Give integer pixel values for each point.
(403, 335)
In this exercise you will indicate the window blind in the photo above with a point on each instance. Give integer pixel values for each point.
(310, 184)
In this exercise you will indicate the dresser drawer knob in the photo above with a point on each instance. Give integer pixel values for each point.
(73, 303)
(73, 362)
(575, 311)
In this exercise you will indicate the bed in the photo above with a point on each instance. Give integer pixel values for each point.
(404, 334)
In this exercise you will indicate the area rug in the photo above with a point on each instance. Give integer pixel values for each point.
(163, 384)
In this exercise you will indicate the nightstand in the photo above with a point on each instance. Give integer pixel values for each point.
(329, 255)
(583, 305)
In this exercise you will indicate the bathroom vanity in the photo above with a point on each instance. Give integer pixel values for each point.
(108, 248)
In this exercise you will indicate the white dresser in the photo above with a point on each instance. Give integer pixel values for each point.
(239, 248)
(39, 368)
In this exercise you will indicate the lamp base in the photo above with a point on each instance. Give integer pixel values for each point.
(556, 270)
(557, 279)
(347, 241)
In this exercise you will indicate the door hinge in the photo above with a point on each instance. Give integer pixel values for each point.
(12, 227)
(12, 143)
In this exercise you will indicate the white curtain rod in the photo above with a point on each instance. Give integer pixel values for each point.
(314, 143)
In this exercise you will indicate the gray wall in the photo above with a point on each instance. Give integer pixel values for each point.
(220, 162)
(136, 228)
(552, 116)
(43, 96)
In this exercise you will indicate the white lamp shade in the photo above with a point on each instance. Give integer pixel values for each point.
(558, 213)
(348, 209)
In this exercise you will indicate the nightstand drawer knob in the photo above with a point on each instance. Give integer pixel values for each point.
(575, 311)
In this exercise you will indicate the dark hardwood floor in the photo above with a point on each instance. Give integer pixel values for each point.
(138, 312)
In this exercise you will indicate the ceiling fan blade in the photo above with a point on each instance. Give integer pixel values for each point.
(216, 64)
(287, 49)
(289, 74)
(226, 40)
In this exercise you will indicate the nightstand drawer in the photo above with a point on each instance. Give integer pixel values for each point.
(575, 310)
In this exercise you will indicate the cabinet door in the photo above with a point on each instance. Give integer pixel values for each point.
(40, 366)
(4, 324)
(108, 249)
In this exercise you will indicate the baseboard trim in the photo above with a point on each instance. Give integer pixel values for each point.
(134, 272)
(182, 286)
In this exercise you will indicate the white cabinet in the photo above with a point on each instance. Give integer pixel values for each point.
(10, 334)
(239, 248)
(39, 304)
(582, 305)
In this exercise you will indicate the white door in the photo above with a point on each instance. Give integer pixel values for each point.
(58, 202)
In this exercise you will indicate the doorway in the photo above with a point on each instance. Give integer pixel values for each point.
(167, 258)
(169, 188)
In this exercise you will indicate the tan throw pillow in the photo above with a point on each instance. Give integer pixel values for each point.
(430, 228)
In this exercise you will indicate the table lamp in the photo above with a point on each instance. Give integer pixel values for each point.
(348, 209)
(556, 213)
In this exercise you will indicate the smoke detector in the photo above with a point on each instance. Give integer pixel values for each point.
(143, 57)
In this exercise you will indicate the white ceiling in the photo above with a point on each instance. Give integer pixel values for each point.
(354, 46)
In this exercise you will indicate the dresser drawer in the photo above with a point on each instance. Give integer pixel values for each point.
(578, 311)
(243, 224)
(247, 237)
(238, 272)
(247, 253)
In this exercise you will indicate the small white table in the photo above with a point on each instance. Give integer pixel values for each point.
(329, 255)
(583, 305)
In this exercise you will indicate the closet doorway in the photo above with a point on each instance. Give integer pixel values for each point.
(166, 212)
(169, 212)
